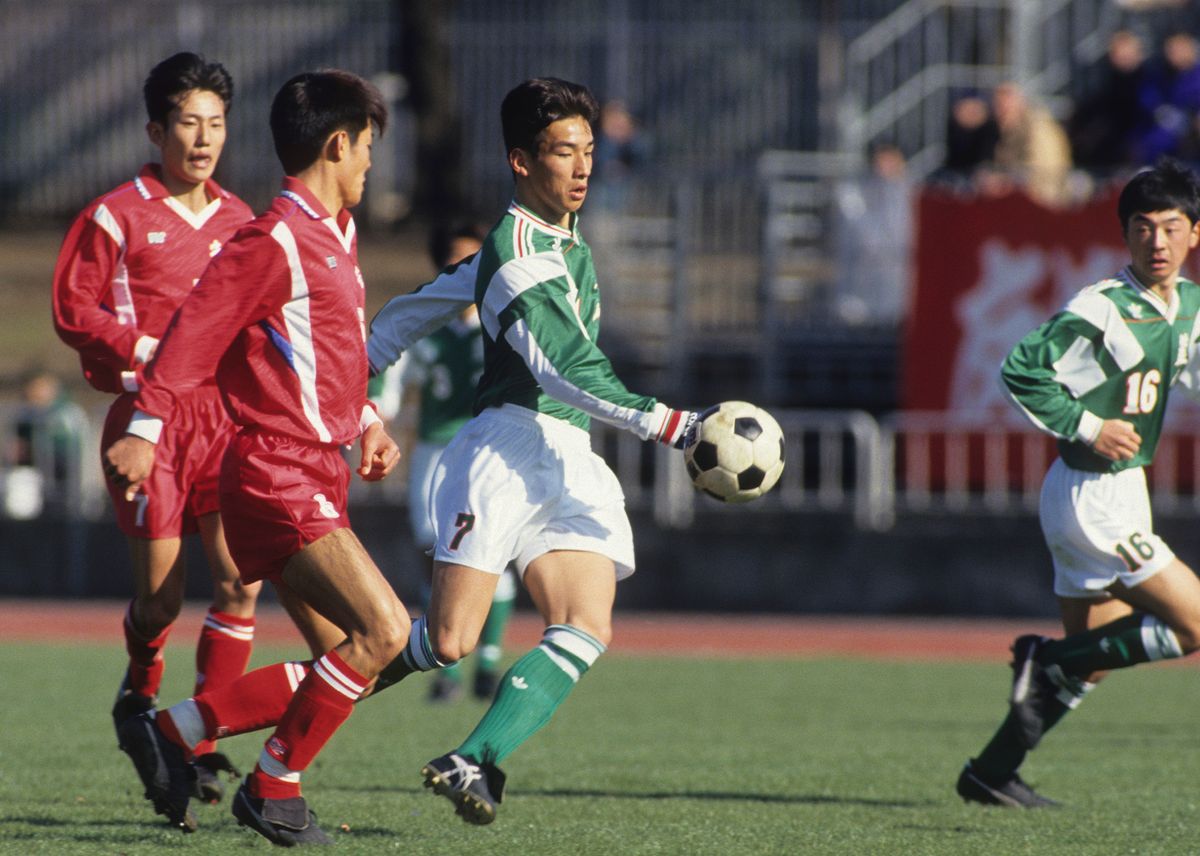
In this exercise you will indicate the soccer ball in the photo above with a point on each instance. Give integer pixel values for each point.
(738, 452)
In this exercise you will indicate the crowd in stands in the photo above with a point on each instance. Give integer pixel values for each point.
(1135, 106)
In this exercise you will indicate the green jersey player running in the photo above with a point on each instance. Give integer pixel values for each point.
(1096, 376)
(519, 482)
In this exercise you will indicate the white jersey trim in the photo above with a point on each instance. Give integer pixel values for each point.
(1096, 309)
(559, 388)
(513, 279)
(195, 219)
(122, 294)
(300, 336)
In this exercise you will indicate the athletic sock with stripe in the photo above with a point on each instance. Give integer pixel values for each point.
(530, 692)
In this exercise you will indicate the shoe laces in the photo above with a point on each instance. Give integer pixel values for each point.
(465, 773)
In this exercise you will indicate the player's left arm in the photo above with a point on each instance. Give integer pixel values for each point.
(546, 332)
(407, 318)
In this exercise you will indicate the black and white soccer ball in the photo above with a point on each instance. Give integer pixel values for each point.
(738, 452)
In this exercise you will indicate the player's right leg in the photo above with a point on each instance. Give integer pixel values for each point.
(992, 777)
(491, 638)
(336, 578)
(158, 579)
(223, 650)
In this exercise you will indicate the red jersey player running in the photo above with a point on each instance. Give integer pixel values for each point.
(129, 260)
(279, 316)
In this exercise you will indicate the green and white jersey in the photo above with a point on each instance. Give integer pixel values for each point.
(539, 303)
(1111, 353)
(446, 366)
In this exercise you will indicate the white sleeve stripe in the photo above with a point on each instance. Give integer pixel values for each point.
(1026, 412)
(513, 279)
(1097, 310)
(106, 221)
(300, 334)
(559, 388)
(122, 295)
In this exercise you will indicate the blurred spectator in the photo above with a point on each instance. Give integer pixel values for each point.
(1032, 153)
(874, 226)
(1170, 100)
(970, 139)
(620, 150)
(1106, 119)
(45, 448)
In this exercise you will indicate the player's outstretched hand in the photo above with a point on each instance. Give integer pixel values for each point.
(380, 454)
(679, 428)
(128, 462)
(1118, 440)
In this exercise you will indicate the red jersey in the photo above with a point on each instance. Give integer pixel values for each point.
(128, 261)
(279, 316)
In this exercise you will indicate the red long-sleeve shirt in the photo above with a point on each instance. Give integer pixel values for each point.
(279, 316)
(128, 261)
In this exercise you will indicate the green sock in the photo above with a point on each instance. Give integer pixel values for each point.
(1137, 638)
(530, 692)
(492, 635)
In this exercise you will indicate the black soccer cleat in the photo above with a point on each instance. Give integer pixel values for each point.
(1011, 793)
(165, 773)
(475, 789)
(1032, 689)
(485, 685)
(129, 704)
(287, 823)
(444, 689)
(208, 767)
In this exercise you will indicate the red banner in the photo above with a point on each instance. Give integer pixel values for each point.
(988, 272)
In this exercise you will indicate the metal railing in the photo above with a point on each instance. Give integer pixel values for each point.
(838, 461)
(901, 72)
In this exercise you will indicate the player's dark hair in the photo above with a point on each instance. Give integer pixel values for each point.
(179, 74)
(1169, 185)
(313, 106)
(531, 106)
(443, 235)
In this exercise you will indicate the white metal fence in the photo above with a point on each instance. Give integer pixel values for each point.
(839, 462)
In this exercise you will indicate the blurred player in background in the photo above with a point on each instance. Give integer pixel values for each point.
(519, 482)
(1096, 377)
(129, 260)
(278, 316)
(440, 372)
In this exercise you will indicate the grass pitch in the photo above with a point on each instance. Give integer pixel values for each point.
(649, 756)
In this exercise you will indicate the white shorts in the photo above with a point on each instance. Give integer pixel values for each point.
(514, 484)
(421, 461)
(1099, 530)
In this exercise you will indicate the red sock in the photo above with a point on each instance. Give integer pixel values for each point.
(255, 700)
(323, 702)
(145, 657)
(221, 655)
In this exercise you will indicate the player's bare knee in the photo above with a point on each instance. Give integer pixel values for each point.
(450, 646)
(232, 597)
(153, 615)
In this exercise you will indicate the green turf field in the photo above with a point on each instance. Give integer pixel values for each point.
(650, 756)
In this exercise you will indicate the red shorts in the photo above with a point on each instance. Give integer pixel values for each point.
(277, 496)
(187, 465)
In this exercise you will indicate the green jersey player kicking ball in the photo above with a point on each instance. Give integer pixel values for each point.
(519, 482)
(1096, 376)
